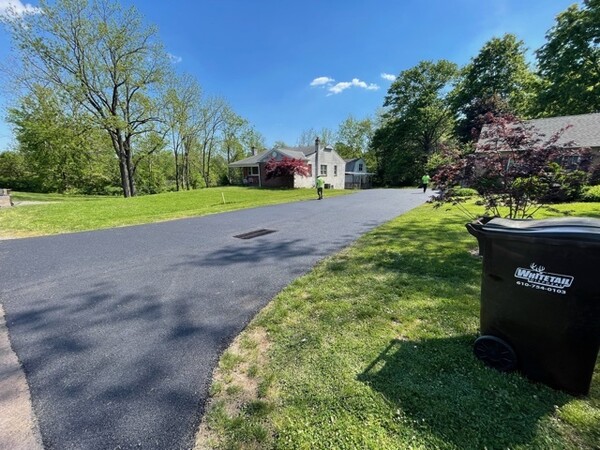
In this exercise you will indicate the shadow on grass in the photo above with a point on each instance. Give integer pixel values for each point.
(410, 248)
(439, 388)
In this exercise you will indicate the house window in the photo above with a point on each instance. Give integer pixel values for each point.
(569, 162)
(324, 170)
(360, 167)
(310, 168)
(335, 171)
(253, 170)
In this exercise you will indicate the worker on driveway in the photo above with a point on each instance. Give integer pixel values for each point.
(320, 184)
(425, 181)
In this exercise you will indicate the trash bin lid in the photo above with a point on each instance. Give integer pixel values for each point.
(585, 228)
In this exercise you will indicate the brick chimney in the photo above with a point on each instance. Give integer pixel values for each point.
(253, 149)
(316, 159)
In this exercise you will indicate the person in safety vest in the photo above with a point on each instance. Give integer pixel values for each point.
(425, 181)
(320, 184)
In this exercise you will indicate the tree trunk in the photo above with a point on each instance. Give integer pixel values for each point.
(228, 162)
(130, 166)
(124, 176)
(176, 170)
(117, 142)
(208, 164)
(187, 148)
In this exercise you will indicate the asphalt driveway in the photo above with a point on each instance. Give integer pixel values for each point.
(119, 330)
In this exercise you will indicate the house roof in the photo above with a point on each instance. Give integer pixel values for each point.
(351, 164)
(306, 151)
(290, 152)
(251, 161)
(583, 131)
(293, 152)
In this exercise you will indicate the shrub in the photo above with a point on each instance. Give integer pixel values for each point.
(560, 185)
(594, 176)
(112, 190)
(591, 194)
(464, 192)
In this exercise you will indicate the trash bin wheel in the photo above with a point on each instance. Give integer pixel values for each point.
(495, 353)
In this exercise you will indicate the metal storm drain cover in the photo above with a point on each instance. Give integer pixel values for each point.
(255, 233)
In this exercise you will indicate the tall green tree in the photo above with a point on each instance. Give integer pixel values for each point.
(233, 148)
(153, 173)
(103, 57)
(417, 121)
(354, 137)
(497, 80)
(280, 144)
(307, 137)
(180, 111)
(569, 62)
(212, 123)
(251, 138)
(15, 172)
(61, 148)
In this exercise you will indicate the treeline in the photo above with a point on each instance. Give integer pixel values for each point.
(103, 111)
(437, 104)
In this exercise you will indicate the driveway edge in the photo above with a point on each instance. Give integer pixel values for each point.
(17, 420)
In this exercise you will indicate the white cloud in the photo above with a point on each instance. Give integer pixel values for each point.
(173, 58)
(339, 87)
(388, 76)
(15, 9)
(343, 85)
(321, 81)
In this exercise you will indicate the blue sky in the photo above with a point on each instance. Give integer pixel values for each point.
(287, 66)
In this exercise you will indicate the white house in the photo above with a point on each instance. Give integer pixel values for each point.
(322, 161)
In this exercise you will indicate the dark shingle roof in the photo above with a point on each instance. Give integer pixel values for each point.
(293, 152)
(251, 161)
(583, 129)
(351, 164)
(304, 150)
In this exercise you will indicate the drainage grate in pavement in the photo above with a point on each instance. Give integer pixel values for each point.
(255, 233)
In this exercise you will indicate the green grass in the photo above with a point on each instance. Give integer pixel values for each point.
(373, 350)
(62, 214)
(36, 197)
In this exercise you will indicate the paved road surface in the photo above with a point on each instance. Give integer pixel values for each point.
(119, 330)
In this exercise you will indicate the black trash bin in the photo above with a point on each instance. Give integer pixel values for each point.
(540, 298)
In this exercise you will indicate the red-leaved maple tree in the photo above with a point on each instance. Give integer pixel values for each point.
(514, 168)
(286, 167)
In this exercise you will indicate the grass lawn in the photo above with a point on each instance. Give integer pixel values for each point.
(63, 214)
(36, 197)
(373, 350)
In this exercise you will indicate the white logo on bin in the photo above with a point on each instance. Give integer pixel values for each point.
(536, 277)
